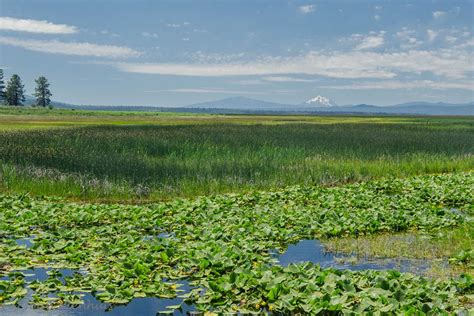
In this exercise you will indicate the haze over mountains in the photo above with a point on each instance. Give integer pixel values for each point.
(315, 105)
(320, 104)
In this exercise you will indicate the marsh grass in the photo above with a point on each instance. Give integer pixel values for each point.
(443, 244)
(154, 162)
(28, 118)
(436, 248)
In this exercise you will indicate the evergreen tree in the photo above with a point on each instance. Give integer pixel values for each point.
(15, 93)
(2, 88)
(42, 92)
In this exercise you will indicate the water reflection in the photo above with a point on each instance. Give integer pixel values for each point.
(314, 251)
(91, 306)
(305, 250)
(27, 242)
(139, 306)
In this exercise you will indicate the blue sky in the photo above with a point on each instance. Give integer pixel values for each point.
(172, 53)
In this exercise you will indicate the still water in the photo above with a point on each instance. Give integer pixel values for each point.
(304, 251)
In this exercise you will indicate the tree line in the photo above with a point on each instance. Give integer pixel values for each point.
(14, 92)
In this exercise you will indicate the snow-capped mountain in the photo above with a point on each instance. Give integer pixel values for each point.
(320, 101)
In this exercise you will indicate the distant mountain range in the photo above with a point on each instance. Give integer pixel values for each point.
(316, 105)
(320, 104)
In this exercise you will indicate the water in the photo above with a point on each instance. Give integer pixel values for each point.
(314, 251)
(139, 306)
(304, 251)
(160, 235)
(91, 306)
(27, 242)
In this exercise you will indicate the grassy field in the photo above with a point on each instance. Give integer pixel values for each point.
(155, 156)
(19, 118)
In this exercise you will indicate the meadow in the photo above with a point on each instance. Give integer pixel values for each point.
(158, 156)
(195, 210)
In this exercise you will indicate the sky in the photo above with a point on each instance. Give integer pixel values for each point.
(175, 53)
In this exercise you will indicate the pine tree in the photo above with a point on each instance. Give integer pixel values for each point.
(2, 88)
(15, 93)
(42, 92)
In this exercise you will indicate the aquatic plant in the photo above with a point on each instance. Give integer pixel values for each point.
(222, 244)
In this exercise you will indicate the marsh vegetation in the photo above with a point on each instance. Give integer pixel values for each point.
(156, 162)
(370, 188)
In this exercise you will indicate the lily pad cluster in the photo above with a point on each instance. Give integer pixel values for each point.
(223, 246)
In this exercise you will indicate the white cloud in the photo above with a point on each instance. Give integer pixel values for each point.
(150, 35)
(305, 9)
(397, 85)
(405, 33)
(370, 42)
(285, 79)
(373, 40)
(466, 45)
(451, 35)
(377, 17)
(107, 32)
(70, 48)
(173, 25)
(35, 26)
(309, 64)
(438, 14)
(454, 63)
(450, 39)
(364, 41)
(408, 39)
(431, 35)
(203, 57)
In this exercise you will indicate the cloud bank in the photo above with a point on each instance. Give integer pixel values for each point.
(71, 48)
(453, 63)
(397, 85)
(35, 26)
